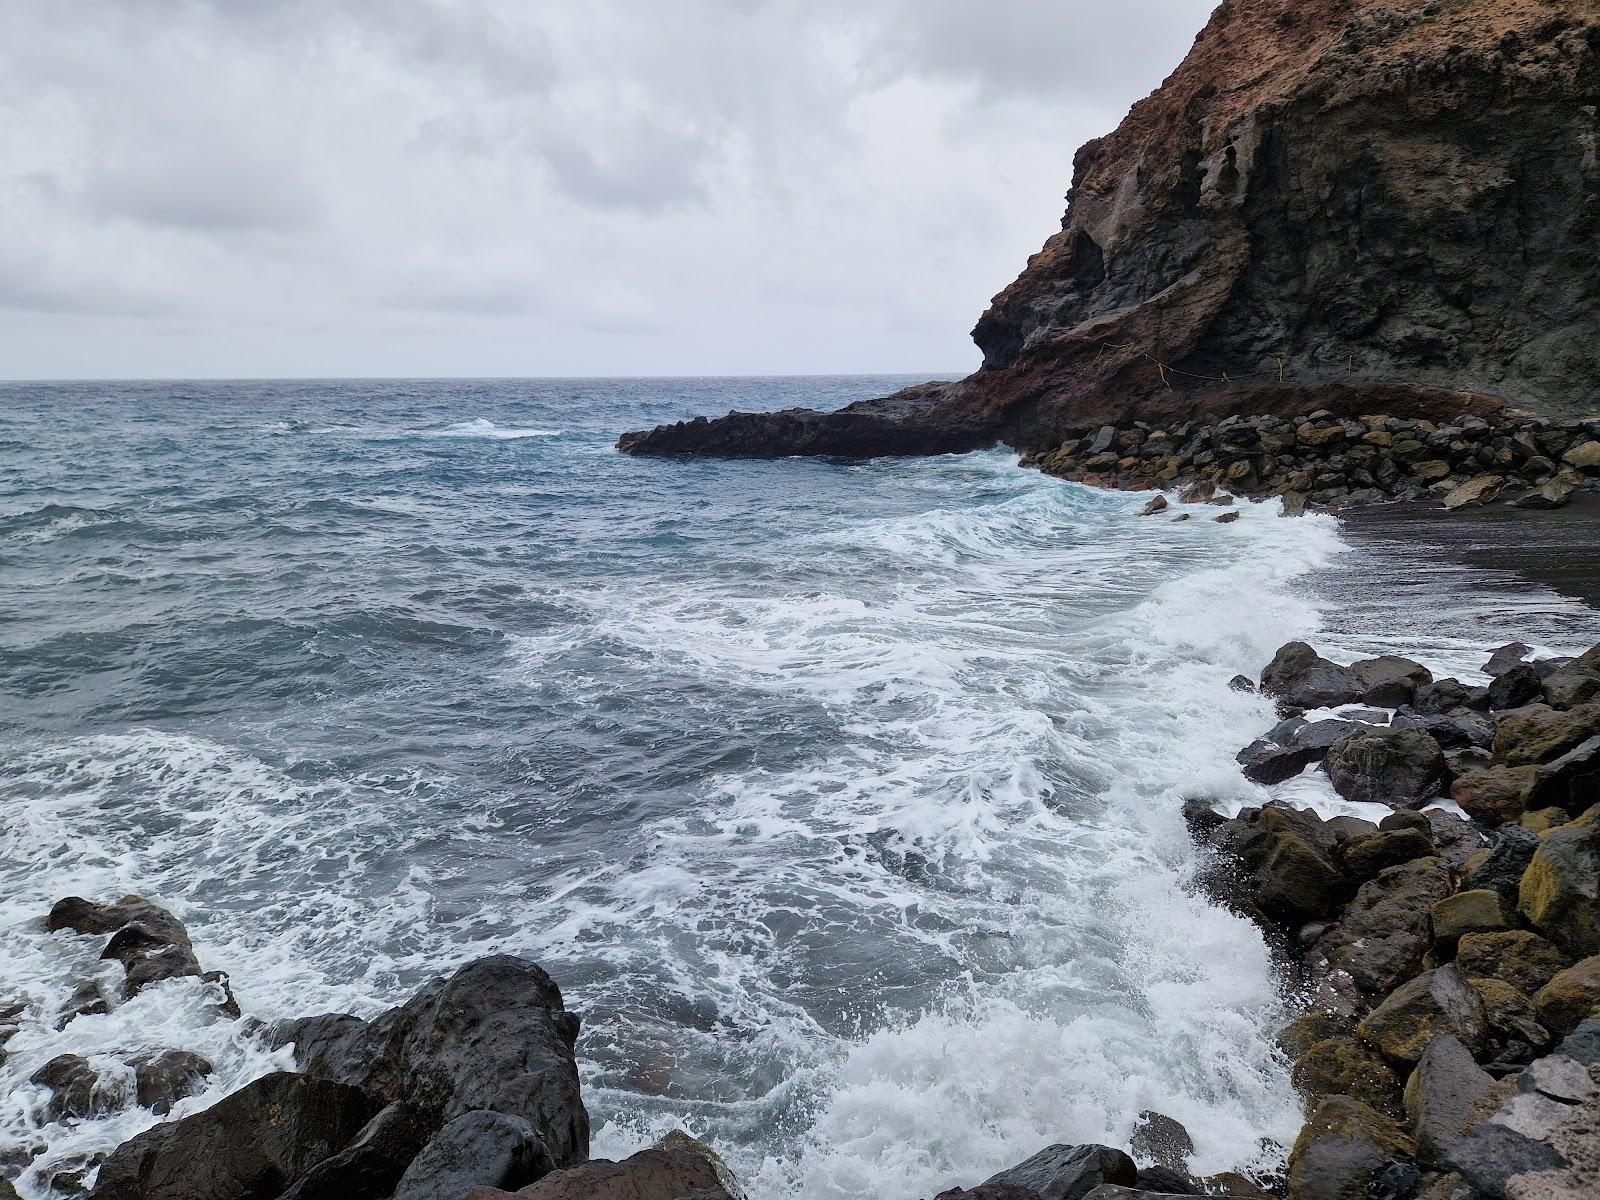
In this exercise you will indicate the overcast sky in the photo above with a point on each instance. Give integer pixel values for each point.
(539, 187)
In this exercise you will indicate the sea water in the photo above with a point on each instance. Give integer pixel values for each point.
(841, 799)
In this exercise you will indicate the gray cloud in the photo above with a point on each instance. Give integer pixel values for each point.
(384, 186)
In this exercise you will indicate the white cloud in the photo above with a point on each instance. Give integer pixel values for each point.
(269, 187)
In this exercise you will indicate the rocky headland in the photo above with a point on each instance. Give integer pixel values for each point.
(1351, 206)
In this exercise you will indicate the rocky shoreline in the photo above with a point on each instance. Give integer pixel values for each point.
(1324, 462)
(1445, 956)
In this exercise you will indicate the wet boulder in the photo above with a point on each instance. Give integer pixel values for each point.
(1384, 933)
(1298, 677)
(1294, 882)
(1445, 1097)
(676, 1168)
(164, 1077)
(1365, 855)
(1068, 1172)
(1571, 782)
(73, 1088)
(1264, 761)
(1574, 683)
(1502, 870)
(1400, 767)
(1513, 654)
(1519, 686)
(254, 1143)
(151, 944)
(477, 1149)
(1454, 730)
(1440, 696)
(1476, 911)
(1160, 1140)
(1390, 680)
(494, 1036)
(1435, 1002)
(1560, 891)
(370, 1166)
(1515, 1035)
(1342, 1150)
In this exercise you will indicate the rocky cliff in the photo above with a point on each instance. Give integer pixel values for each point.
(1352, 205)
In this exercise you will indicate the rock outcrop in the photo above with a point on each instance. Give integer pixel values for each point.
(1350, 205)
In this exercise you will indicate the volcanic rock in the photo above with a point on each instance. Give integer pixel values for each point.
(1403, 767)
(1341, 205)
(494, 1036)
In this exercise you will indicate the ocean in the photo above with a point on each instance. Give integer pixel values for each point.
(841, 799)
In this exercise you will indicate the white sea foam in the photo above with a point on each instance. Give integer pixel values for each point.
(482, 427)
(958, 928)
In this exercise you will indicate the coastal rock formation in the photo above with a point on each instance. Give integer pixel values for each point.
(1353, 205)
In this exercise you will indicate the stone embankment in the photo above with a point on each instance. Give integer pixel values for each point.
(1322, 461)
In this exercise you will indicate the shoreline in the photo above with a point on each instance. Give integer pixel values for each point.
(1102, 1166)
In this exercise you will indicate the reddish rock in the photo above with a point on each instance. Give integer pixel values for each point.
(1331, 204)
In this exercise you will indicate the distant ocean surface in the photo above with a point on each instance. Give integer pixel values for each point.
(842, 799)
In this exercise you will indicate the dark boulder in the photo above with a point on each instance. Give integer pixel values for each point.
(1299, 677)
(1502, 870)
(71, 1081)
(1518, 686)
(164, 1077)
(151, 944)
(1342, 1150)
(1440, 696)
(1069, 1172)
(1495, 795)
(1266, 762)
(1347, 1066)
(1390, 680)
(1452, 730)
(1294, 882)
(1516, 957)
(1383, 935)
(676, 1168)
(250, 1145)
(494, 1036)
(1160, 1140)
(1571, 782)
(1444, 1097)
(1401, 767)
(477, 1149)
(1435, 1002)
(1362, 857)
(1513, 654)
(370, 1166)
(1538, 733)
(1574, 683)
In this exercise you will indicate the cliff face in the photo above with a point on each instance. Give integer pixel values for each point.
(1356, 205)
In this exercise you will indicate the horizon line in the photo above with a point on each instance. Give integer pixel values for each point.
(929, 375)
